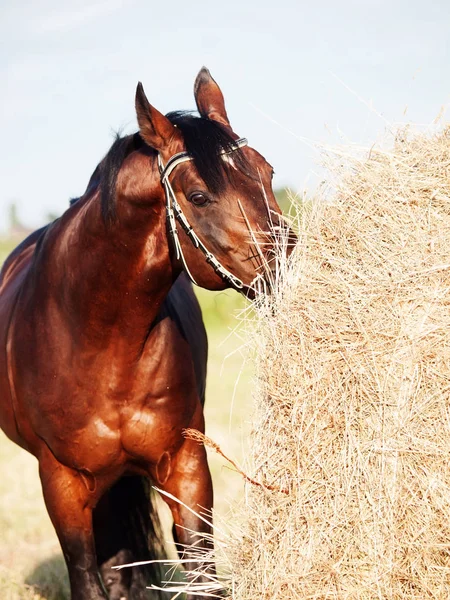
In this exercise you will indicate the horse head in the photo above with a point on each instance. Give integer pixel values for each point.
(222, 215)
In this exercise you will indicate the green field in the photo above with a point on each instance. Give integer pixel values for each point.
(31, 565)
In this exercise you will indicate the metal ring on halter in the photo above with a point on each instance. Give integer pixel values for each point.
(175, 213)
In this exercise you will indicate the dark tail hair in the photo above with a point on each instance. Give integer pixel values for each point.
(127, 529)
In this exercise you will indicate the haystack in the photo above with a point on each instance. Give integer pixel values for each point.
(353, 391)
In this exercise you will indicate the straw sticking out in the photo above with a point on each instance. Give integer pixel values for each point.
(198, 436)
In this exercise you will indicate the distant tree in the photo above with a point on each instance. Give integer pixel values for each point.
(17, 229)
(51, 216)
(14, 220)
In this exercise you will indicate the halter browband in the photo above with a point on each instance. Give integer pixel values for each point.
(175, 213)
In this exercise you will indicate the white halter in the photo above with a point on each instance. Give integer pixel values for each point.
(175, 213)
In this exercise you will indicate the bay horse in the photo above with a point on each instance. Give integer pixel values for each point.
(102, 346)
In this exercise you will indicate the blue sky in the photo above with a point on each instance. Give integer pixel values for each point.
(69, 72)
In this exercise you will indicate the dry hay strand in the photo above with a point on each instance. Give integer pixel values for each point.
(352, 391)
(201, 438)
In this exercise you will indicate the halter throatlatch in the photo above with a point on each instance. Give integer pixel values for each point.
(175, 213)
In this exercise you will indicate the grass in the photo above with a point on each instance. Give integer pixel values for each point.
(32, 567)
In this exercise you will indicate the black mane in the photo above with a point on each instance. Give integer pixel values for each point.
(109, 170)
(204, 140)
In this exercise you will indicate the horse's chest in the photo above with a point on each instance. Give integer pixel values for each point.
(105, 412)
(156, 426)
(137, 433)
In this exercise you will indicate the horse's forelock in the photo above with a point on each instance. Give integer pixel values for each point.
(205, 140)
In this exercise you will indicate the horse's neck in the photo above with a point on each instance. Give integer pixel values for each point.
(113, 276)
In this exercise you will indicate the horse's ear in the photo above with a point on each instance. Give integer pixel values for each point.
(209, 98)
(156, 130)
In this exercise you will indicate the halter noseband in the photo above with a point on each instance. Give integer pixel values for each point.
(175, 213)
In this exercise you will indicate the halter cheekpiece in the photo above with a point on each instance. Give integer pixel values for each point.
(175, 213)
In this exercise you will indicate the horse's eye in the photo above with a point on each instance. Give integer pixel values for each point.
(199, 198)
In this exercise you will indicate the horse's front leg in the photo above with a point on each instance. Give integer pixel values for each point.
(190, 482)
(69, 504)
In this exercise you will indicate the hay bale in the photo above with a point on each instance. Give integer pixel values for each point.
(352, 399)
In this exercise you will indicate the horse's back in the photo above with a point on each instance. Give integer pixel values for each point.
(20, 257)
(12, 275)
